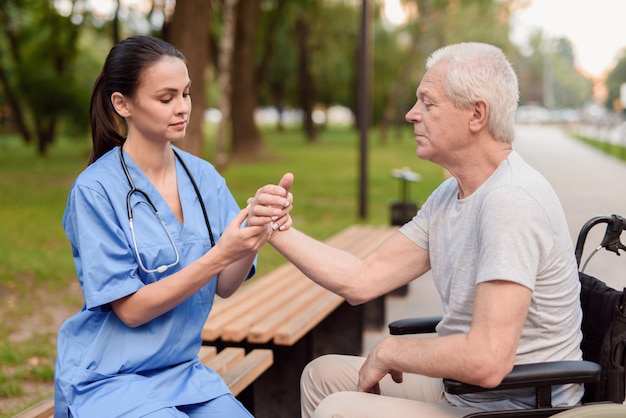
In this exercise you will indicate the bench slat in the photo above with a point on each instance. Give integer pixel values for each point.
(225, 359)
(42, 409)
(345, 235)
(302, 323)
(206, 353)
(265, 330)
(238, 329)
(238, 306)
(248, 370)
(245, 291)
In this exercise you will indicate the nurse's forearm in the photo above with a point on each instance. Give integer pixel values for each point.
(233, 276)
(237, 247)
(164, 295)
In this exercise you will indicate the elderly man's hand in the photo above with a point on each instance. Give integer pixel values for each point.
(271, 205)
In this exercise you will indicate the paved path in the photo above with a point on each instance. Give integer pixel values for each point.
(588, 183)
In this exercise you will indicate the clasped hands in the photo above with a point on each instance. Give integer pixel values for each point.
(271, 205)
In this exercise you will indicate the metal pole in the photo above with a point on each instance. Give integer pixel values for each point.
(363, 106)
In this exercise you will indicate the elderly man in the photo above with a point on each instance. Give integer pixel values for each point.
(496, 240)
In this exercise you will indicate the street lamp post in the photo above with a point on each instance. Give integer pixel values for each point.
(363, 107)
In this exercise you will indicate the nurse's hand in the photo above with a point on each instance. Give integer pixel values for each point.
(271, 205)
(237, 242)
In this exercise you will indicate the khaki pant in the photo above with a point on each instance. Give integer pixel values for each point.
(328, 389)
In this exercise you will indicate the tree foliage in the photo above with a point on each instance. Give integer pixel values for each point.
(39, 70)
(614, 81)
(289, 54)
(548, 75)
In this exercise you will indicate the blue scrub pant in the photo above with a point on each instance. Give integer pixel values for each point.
(225, 406)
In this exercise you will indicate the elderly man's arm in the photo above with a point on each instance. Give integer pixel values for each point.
(393, 264)
(482, 357)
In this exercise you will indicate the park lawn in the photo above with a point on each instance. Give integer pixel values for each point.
(38, 288)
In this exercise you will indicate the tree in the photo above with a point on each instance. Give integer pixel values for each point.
(614, 81)
(189, 31)
(38, 51)
(570, 89)
(432, 24)
(546, 76)
(334, 43)
(247, 140)
(275, 74)
(225, 66)
(306, 83)
(413, 43)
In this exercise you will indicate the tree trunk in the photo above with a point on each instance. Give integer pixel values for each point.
(225, 66)
(17, 111)
(189, 32)
(115, 23)
(305, 79)
(46, 131)
(277, 93)
(10, 94)
(400, 86)
(247, 140)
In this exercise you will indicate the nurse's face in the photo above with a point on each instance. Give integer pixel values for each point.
(161, 106)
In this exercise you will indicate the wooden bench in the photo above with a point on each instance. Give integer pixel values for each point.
(297, 319)
(238, 369)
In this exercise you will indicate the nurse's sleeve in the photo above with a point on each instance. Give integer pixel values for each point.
(105, 263)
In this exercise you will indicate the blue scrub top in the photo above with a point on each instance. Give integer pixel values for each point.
(103, 366)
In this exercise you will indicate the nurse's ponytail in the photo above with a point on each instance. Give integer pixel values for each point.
(121, 73)
(105, 123)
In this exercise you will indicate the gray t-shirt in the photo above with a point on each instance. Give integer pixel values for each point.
(511, 228)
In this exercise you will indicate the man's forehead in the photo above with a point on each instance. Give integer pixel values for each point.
(432, 80)
(427, 86)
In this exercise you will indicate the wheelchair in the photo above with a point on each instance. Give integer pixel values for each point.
(604, 339)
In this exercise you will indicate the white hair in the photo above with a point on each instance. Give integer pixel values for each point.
(481, 71)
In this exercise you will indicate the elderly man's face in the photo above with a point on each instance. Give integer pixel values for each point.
(440, 127)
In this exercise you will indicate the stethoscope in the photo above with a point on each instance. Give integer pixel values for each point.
(134, 190)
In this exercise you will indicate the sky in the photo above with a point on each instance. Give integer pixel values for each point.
(596, 29)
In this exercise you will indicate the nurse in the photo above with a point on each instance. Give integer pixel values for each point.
(155, 234)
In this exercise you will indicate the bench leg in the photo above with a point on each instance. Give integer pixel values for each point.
(277, 391)
(401, 291)
(246, 397)
(341, 332)
(374, 314)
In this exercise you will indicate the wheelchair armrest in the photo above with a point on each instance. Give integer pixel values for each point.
(414, 325)
(535, 375)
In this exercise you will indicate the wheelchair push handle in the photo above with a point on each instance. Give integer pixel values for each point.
(614, 229)
(611, 240)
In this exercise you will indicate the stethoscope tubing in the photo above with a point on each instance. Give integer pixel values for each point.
(134, 189)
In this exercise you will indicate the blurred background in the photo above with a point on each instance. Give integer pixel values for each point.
(283, 62)
(317, 87)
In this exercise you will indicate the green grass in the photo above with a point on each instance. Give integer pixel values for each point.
(36, 268)
(615, 150)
